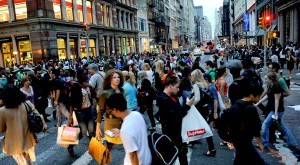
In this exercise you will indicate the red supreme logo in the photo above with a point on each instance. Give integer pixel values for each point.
(196, 132)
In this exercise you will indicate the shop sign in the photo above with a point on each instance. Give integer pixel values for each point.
(22, 38)
(61, 35)
(5, 40)
(73, 36)
(93, 36)
(143, 33)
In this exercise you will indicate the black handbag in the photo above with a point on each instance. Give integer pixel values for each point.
(35, 122)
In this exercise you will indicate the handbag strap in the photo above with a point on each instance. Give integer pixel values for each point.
(28, 108)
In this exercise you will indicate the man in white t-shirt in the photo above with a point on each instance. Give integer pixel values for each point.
(133, 131)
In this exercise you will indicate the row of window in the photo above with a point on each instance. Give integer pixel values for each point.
(19, 10)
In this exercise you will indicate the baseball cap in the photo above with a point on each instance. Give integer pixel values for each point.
(235, 64)
(207, 77)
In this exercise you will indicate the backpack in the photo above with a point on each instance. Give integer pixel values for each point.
(254, 78)
(206, 97)
(226, 120)
(162, 149)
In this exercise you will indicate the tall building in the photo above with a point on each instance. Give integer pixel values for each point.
(218, 24)
(143, 35)
(206, 29)
(198, 18)
(187, 23)
(38, 29)
(226, 19)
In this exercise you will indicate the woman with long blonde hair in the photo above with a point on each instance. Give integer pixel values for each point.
(130, 91)
(159, 72)
(200, 85)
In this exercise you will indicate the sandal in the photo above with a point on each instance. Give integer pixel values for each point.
(223, 143)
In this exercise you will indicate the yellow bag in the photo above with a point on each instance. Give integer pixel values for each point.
(99, 151)
(110, 124)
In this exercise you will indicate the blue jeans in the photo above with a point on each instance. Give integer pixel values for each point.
(291, 141)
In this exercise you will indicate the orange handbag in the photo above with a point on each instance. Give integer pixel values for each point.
(99, 151)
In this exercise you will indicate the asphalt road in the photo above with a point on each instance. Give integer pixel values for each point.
(49, 153)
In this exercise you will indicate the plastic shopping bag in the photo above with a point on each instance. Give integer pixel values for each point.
(221, 103)
(98, 151)
(64, 143)
(194, 126)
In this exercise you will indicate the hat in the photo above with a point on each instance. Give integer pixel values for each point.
(235, 64)
(207, 77)
(66, 68)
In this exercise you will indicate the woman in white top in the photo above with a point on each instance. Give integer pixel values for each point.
(27, 89)
(199, 82)
(148, 70)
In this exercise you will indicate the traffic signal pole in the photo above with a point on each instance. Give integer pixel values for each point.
(265, 51)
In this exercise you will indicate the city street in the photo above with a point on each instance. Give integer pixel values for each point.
(48, 152)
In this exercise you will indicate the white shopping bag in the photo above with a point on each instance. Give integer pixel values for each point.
(63, 143)
(221, 103)
(194, 126)
(75, 121)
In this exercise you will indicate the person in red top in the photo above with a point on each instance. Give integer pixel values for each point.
(221, 84)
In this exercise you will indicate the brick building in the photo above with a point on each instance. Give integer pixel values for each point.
(32, 30)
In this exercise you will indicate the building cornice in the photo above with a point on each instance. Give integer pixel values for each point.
(282, 6)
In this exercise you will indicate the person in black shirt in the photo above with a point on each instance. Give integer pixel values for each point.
(245, 125)
(172, 113)
(59, 97)
(40, 90)
(275, 104)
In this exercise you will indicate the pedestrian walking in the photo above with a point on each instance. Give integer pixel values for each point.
(133, 131)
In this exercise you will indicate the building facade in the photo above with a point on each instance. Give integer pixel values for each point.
(198, 18)
(31, 31)
(288, 20)
(143, 35)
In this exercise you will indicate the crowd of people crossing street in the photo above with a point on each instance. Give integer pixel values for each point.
(109, 97)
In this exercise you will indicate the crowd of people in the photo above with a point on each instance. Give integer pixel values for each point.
(116, 91)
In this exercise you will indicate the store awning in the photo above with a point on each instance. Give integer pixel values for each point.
(271, 28)
(260, 32)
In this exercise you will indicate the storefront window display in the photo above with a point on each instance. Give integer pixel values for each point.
(92, 48)
(61, 48)
(24, 47)
(4, 14)
(89, 11)
(69, 8)
(73, 48)
(79, 10)
(20, 9)
(83, 47)
(7, 51)
(57, 8)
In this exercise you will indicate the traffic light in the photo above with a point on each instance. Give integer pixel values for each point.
(273, 34)
(261, 23)
(85, 26)
(267, 21)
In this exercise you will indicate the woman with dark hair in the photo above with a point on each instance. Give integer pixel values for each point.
(27, 89)
(19, 141)
(185, 84)
(81, 105)
(276, 106)
(196, 65)
(290, 59)
(146, 97)
(112, 83)
(221, 84)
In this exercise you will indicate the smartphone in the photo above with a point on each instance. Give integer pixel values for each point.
(192, 95)
(109, 133)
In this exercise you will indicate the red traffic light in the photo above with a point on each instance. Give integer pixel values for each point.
(268, 18)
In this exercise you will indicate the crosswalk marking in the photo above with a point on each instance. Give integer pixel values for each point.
(84, 159)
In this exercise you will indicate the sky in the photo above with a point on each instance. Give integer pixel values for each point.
(209, 7)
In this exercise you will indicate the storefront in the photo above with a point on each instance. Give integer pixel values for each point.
(73, 41)
(61, 46)
(7, 52)
(24, 49)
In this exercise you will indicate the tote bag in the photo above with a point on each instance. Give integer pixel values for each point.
(194, 126)
(98, 151)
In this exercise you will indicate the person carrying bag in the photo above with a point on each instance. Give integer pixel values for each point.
(99, 151)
